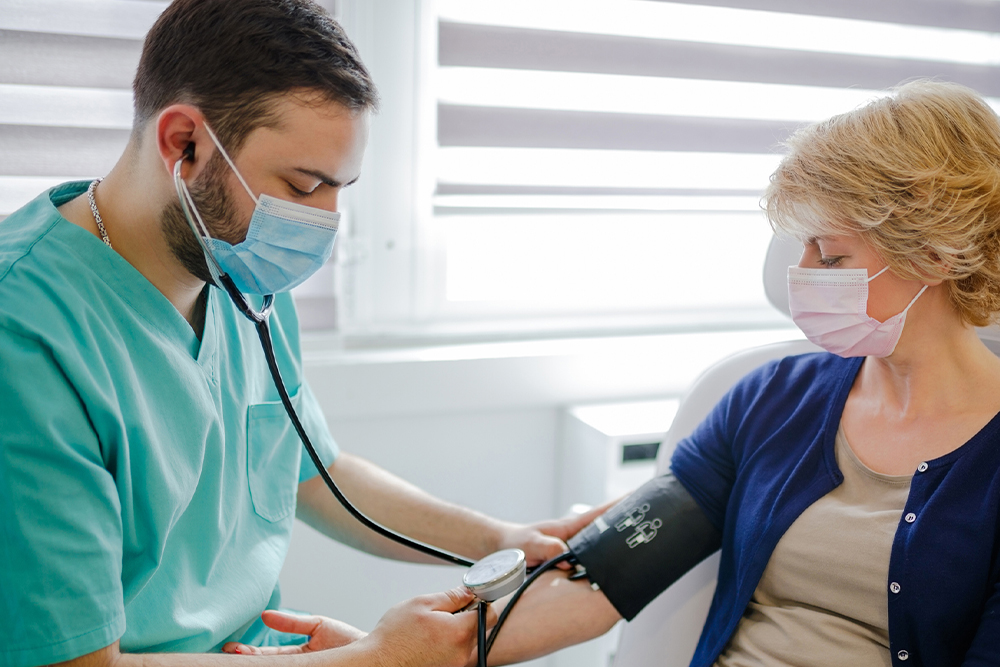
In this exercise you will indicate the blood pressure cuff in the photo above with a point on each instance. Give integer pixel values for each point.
(645, 543)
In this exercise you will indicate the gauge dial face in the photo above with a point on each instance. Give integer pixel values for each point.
(494, 567)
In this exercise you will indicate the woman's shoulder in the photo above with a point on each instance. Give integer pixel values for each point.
(813, 374)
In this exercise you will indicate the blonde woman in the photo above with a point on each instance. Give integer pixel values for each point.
(855, 493)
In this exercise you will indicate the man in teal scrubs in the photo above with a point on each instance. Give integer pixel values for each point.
(149, 476)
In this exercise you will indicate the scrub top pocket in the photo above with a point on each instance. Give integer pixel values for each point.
(273, 456)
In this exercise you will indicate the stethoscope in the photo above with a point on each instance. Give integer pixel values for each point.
(490, 578)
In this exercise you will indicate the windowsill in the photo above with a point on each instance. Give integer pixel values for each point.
(423, 379)
(479, 330)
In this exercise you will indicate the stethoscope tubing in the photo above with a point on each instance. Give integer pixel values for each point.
(264, 333)
(481, 610)
(259, 318)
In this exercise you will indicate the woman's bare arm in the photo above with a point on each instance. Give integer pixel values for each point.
(553, 613)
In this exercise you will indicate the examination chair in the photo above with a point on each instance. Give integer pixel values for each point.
(666, 632)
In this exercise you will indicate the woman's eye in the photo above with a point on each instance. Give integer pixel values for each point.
(830, 262)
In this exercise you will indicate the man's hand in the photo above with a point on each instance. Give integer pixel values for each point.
(323, 633)
(427, 632)
(423, 632)
(547, 539)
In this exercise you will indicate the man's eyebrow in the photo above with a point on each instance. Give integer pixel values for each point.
(324, 178)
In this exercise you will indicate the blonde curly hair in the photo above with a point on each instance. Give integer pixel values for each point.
(917, 175)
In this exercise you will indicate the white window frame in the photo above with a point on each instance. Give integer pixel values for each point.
(391, 260)
(391, 267)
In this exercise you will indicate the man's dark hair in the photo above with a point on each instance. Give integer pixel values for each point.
(233, 58)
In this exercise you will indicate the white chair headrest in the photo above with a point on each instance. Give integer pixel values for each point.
(781, 254)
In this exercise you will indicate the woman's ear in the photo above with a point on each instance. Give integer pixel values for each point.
(943, 269)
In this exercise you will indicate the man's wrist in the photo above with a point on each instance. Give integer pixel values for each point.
(495, 536)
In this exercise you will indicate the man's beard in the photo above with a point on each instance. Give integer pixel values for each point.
(215, 204)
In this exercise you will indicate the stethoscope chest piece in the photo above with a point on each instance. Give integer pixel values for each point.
(496, 575)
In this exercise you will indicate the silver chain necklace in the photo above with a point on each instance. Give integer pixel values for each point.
(97, 215)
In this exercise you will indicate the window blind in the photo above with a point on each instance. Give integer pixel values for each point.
(66, 73)
(595, 130)
(66, 70)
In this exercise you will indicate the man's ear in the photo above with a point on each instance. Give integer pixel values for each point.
(181, 135)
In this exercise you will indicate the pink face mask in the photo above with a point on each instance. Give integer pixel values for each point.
(831, 308)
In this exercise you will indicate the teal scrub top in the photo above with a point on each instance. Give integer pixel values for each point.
(147, 479)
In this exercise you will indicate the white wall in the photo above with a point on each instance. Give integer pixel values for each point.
(475, 458)
(477, 425)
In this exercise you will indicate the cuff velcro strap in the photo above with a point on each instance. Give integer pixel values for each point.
(645, 543)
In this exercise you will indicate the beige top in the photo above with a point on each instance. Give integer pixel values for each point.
(823, 598)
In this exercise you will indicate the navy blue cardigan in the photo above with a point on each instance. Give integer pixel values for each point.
(766, 453)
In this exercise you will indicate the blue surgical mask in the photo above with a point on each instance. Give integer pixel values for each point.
(285, 244)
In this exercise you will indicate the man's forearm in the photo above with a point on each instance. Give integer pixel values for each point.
(398, 505)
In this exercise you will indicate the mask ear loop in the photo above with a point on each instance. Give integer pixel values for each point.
(913, 301)
(219, 277)
(884, 269)
(199, 228)
(922, 290)
(229, 160)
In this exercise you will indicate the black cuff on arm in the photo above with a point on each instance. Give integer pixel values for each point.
(645, 543)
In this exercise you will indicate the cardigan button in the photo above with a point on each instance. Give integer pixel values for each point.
(922, 467)
(903, 655)
(910, 518)
(894, 587)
